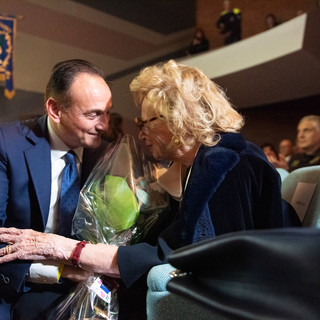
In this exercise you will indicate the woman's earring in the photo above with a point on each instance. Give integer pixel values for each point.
(176, 141)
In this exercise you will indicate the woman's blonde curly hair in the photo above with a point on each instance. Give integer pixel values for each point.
(194, 107)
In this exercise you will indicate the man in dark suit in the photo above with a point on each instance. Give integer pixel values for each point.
(32, 158)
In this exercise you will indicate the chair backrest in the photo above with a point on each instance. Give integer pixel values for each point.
(164, 305)
(283, 173)
(304, 180)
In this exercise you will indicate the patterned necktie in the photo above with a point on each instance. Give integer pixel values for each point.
(69, 194)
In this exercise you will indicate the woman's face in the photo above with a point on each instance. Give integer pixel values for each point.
(155, 133)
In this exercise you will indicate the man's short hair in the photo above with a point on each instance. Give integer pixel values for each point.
(62, 78)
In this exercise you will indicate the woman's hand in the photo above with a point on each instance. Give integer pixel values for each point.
(27, 244)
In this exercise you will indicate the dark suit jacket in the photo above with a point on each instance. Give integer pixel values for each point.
(25, 187)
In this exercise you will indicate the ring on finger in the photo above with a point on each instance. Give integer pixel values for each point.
(8, 249)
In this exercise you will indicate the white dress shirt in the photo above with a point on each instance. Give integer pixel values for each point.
(47, 271)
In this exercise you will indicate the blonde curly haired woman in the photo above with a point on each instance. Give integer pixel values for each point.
(224, 182)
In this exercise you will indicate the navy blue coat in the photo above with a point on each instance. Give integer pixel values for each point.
(25, 187)
(232, 187)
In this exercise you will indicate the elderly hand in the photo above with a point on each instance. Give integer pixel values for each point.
(27, 244)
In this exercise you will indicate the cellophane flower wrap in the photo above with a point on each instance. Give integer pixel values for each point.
(118, 204)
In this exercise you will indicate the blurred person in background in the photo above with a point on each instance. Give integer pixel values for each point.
(199, 43)
(308, 143)
(115, 131)
(271, 21)
(229, 23)
(286, 148)
(277, 160)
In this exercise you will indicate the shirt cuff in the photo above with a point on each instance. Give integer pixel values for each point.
(44, 272)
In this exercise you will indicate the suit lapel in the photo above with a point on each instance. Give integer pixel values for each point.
(38, 159)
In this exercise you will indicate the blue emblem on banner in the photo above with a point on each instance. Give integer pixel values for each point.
(7, 38)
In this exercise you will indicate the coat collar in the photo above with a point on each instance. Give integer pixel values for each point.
(210, 167)
(36, 129)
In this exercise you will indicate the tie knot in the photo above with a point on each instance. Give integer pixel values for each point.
(70, 157)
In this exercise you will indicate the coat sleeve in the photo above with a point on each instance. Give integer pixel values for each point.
(135, 261)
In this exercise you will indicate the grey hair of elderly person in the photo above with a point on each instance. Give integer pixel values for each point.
(195, 108)
(313, 118)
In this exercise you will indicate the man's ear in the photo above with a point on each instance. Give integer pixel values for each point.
(53, 110)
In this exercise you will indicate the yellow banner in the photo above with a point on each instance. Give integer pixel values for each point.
(7, 39)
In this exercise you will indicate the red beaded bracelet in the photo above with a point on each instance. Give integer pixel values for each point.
(75, 258)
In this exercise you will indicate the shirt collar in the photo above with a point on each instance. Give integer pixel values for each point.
(58, 147)
(171, 181)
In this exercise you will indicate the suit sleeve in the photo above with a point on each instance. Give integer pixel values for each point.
(12, 274)
(4, 183)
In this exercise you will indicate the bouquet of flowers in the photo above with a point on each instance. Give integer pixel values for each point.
(118, 204)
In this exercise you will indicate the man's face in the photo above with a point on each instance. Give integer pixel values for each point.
(83, 124)
(286, 147)
(308, 137)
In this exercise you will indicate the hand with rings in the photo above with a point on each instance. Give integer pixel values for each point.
(27, 244)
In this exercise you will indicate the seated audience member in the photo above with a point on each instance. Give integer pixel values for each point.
(199, 43)
(299, 12)
(115, 131)
(277, 160)
(34, 157)
(286, 148)
(223, 182)
(229, 23)
(271, 21)
(308, 142)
